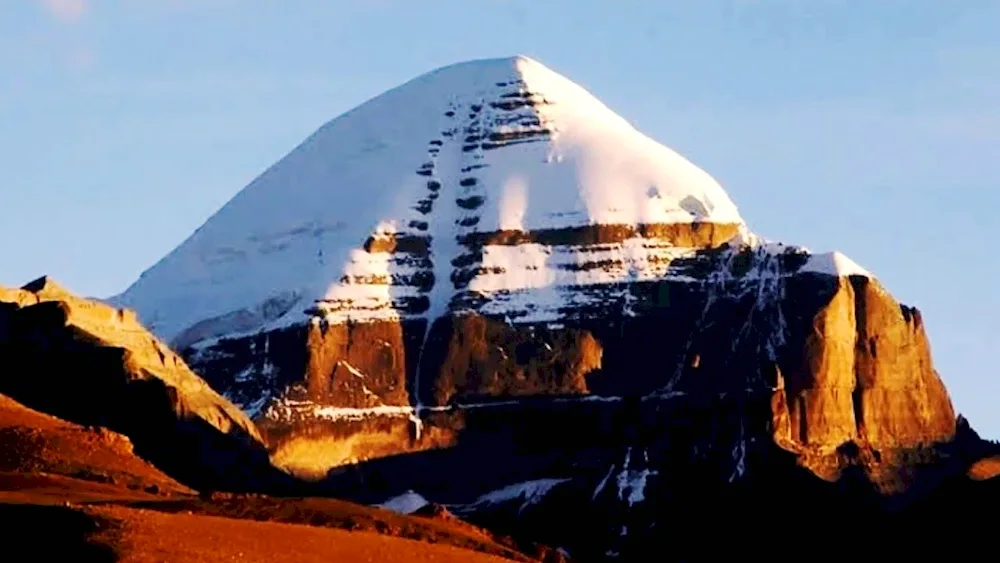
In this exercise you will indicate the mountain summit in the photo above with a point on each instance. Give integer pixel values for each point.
(473, 152)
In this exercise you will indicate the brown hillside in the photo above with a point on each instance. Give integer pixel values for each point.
(93, 364)
(35, 443)
(116, 533)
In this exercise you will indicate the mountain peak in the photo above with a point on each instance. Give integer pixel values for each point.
(384, 210)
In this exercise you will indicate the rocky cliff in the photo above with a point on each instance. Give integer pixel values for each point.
(96, 365)
(840, 359)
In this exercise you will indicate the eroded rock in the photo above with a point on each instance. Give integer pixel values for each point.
(93, 364)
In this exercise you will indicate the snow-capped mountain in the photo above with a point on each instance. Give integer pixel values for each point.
(489, 263)
(498, 179)
(365, 219)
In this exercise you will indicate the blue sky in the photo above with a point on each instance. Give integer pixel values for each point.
(868, 127)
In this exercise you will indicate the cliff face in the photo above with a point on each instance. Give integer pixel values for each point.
(742, 366)
(868, 376)
(93, 364)
(837, 359)
(864, 377)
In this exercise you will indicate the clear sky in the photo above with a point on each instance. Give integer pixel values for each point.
(871, 127)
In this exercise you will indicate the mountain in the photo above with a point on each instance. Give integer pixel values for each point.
(95, 365)
(365, 218)
(566, 327)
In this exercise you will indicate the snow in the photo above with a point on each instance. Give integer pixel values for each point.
(632, 482)
(530, 492)
(632, 485)
(287, 409)
(406, 503)
(834, 264)
(829, 263)
(604, 482)
(351, 369)
(296, 231)
(291, 246)
(740, 453)
(254, 408)
(532, 265)
(358, 374)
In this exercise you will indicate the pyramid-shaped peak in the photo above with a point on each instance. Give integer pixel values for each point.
(510, 66)
(385, 210)
(511, 62)
(515, 66)
(506, 75)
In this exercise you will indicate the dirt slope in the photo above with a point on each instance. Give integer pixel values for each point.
(92, 364)
(116, 533)
(92, 497)
(33, 443)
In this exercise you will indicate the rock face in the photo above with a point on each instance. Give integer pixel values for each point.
(550, 313)
(864, 375)
(96, 365)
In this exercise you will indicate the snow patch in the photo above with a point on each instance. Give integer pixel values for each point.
(254, 408)
(631, 482)
(834, 264)
(739, 454)
(529, 492)
(406, 503)
(604, 482)
(351, 369)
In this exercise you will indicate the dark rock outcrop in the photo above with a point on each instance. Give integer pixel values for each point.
(95, 365)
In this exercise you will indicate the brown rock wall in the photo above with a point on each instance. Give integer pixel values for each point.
(357, 364)
(685, 235)
(903, 401)
(821, 396)
(488, 357)
(867, 377)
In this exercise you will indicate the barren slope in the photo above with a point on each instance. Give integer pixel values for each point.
(33, 443)
(117, 533)
(120, 508)
(89, 363)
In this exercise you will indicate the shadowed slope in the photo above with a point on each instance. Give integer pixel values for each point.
(92, 364)
(36, 450)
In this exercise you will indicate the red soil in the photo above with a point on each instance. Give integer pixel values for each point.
(143, 535)
(92, 499)
(36, 443)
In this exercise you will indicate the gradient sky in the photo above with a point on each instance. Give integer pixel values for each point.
(871, 127)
